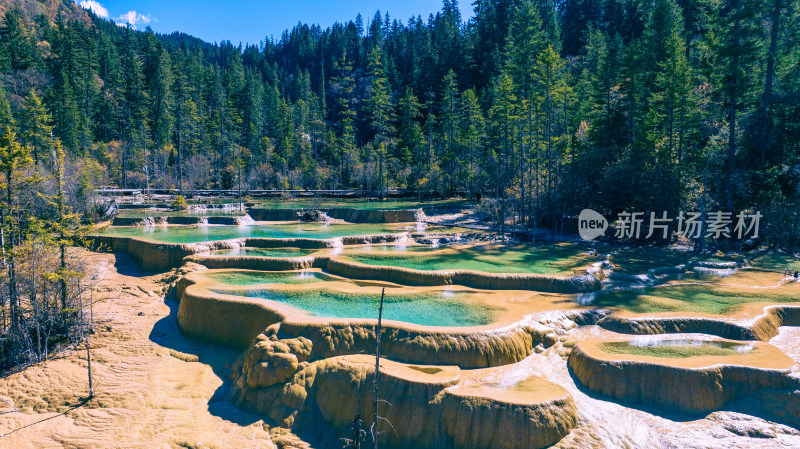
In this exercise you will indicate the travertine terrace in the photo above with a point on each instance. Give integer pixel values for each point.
(484, 344)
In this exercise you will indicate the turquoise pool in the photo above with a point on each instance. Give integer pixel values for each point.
(264, 252)
(191, 234)
(268, 277)
(302, 203)
(561, 259)
(214, 212)
(436, 308)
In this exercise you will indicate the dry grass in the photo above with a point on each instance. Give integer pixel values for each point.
(184, 356)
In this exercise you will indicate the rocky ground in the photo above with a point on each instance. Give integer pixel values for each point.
(154, 388)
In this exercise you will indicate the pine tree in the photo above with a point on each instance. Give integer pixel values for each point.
(471, 137)
(6, 117)
(446, 38)
(664, 82)
(550, 26)
(673, 97)
(410, 138)
(14, 157)
(492, 22)
(133, 102)
(579, 18)
(765, 141)
(448, 125)
(526, 42)
(36, 127)
(68, 121)
(107, 116)
(630, 98)
(161, 99)
(17, 46)
(549, 71)
(504, 118)
(344, 154)
(736, 50)
(601, 73)
(379, 105)
(87, 87)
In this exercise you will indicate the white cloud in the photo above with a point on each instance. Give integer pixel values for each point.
(95, 7)
(133, 18)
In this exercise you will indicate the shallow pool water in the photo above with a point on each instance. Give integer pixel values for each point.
(640, 260)
(544, 259)
(301, 203)
(214, 212)
(690, 297)
(676, 349)
(268, 277)
(446, 309)
(190, 234)
(264, 252)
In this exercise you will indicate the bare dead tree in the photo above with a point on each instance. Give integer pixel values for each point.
(376, 377)
(85, 335)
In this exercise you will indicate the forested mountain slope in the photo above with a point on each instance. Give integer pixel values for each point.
(546, 106)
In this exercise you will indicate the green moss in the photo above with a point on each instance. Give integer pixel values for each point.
(675, 349)
(774, 261)
(689, 298)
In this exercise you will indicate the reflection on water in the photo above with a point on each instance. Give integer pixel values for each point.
(193, 233)
(645, 341)
(189, 234)
(264, 252)
(268, 277)
(682, 347)
(196, 210)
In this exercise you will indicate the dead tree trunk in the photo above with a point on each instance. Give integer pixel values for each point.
(375, 378)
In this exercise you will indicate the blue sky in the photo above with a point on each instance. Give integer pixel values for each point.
(252, 21)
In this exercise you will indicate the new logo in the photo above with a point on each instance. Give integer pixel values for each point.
(591, 224)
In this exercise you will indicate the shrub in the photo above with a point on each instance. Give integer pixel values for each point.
(179, 203)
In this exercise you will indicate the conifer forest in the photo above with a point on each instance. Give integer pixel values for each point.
(536, 109)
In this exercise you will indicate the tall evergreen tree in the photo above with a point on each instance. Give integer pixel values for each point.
(471, 137)
(161, 98)
(448, 124)
(736, 50)
(411, 140)
(379, 105)
(36, 127)
(6, 117)
(17, 45)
